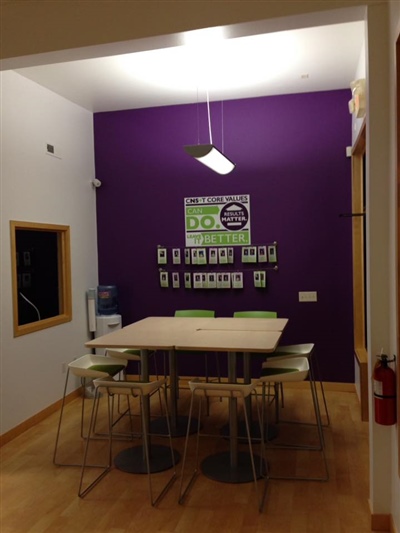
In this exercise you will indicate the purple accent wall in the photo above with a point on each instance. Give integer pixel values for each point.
(290, 153)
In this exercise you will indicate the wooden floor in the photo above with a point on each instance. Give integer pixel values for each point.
(38, 497)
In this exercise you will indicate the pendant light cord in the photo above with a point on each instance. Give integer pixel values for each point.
(198, 118)
(222, 124)
(209, 117)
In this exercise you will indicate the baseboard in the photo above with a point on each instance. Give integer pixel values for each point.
(383, 522)
(380, 522)
(31, 422)
(393, 528)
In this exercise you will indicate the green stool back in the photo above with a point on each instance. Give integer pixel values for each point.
(255, 314)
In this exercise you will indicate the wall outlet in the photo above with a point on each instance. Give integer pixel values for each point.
(308, 296)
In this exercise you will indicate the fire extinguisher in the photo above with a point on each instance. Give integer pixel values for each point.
(384, 391)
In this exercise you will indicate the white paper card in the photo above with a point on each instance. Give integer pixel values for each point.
(164, 279)
(213, 256)
(175, 280)
(237, 280)
(197, 280)
(227, 281)
(220, 280)
(194, 256)
(188, 280)
(252, 254)
(187, 256)
(257, 279)
(272, 254)
(212, 280)
(222, 256)
(162, 256)
(262, 254)
(176, 256)
(263, 279)
(231, 256)
(201, 256)
(245, 254)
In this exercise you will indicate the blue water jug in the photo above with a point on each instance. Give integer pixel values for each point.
(107, 300)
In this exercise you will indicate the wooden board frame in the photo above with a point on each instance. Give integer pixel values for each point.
(358, 210)
(64, 276)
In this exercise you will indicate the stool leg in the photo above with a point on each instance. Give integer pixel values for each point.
(314, 361)
(251, 451)
(173, 477)
(146, 448)
(59, 424)
(319, 448)
(182, 494)
(107, 467)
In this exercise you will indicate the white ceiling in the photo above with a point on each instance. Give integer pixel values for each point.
(296, 61)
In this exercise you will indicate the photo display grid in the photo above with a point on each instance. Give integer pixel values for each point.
(220, 267)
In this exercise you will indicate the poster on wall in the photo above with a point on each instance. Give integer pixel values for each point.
(217, 220)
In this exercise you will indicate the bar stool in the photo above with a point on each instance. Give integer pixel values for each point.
(284, 371)
(202, 313)
(130, 389)
(87, 367)
(303, 350)
(133, 355)
(203, 389)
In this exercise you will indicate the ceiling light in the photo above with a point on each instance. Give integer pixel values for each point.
(208, 154)
(211, 157)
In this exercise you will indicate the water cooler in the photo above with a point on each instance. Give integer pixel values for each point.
(106, 324)
(103, 312)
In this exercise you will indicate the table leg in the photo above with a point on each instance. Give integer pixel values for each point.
(254, 426)
(233, 466)
(233, 422)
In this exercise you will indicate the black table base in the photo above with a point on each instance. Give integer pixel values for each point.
(218, 467)
(132, 460)
(179, 429)
(254, 432)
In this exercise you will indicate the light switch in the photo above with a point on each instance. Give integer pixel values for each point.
(308, 296)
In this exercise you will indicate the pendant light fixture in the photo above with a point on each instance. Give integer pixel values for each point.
(208, 154)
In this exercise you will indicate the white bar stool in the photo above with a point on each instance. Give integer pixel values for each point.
(223, 390)
(303, 350)
(131, 389)
(87, 367)
(284, 371)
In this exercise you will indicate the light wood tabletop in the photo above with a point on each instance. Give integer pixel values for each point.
(228, 340)
(247, 324)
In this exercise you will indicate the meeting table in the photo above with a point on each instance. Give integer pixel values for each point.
(171, 334)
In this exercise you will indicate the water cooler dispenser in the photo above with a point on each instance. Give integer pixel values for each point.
(103, 312)
(106, 324)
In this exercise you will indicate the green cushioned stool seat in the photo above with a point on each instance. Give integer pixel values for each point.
(111, 370)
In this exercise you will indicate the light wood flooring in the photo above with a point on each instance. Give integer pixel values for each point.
(38, 497)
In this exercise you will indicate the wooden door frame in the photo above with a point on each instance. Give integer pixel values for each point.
(398, 235)
(358, 212)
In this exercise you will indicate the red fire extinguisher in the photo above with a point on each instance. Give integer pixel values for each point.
(384, 391)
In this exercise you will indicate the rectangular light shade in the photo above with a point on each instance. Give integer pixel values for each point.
(211, 157)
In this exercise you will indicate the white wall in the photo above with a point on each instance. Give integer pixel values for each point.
(382, 241)
(37, 187)
(360, 74)
(394, 32)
